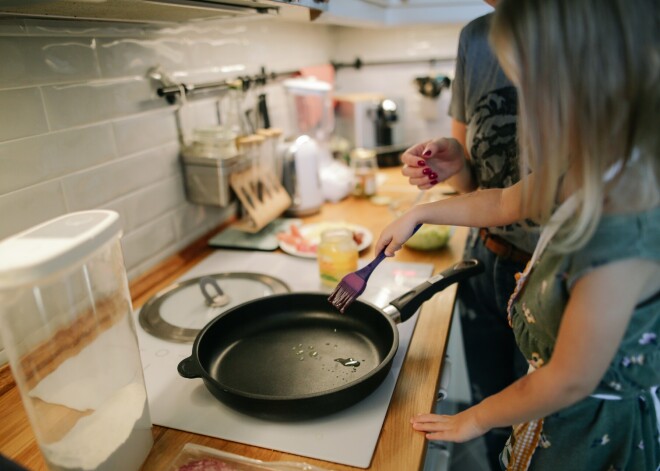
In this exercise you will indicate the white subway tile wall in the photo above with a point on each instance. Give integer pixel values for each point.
(410, 43)
(82, 127)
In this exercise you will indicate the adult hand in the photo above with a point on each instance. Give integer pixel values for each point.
(430, 162)
(451, 428)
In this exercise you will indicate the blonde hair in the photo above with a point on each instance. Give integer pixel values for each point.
(587, 77)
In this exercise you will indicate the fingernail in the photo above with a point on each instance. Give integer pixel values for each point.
(433, 176)
(433, 182)
(426, 171)
(421, 163)
(427, 153)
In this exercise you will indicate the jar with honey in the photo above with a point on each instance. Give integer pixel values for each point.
(365, 168)
(337, 255)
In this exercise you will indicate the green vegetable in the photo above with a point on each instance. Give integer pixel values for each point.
(429, 237)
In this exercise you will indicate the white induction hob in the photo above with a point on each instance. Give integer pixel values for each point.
(347, 437)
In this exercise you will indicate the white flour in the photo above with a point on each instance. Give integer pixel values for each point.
(93, 440)
(86, 380)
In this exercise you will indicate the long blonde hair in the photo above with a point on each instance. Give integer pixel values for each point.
(587, 73)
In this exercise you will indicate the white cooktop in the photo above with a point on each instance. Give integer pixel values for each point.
(348, 437)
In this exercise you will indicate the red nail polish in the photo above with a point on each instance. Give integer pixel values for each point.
(427, 153)
(433, 176)
(421, 163)
(426, 171)
(434, 182)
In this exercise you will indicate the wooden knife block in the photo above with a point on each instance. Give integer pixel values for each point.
(262, 195)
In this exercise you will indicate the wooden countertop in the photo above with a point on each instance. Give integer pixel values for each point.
(399, 447)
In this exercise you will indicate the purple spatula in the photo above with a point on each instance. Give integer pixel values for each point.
(354, 284)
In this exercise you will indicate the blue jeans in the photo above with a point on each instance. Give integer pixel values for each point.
(493, 358)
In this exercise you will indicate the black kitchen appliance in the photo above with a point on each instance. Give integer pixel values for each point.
(372, 121)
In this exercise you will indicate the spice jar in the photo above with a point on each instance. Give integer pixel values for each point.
(365, 167)
(337, 255)
(217, 142)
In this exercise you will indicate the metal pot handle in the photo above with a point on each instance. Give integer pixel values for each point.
(220, 299)
(403, 307)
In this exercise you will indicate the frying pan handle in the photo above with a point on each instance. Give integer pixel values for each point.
(188, 368)
(408, 303)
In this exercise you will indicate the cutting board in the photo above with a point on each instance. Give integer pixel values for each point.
(265, 239)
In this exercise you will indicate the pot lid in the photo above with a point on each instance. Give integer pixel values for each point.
(180, 311)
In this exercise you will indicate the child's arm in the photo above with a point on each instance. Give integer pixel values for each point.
(481, 208)
(594, 322)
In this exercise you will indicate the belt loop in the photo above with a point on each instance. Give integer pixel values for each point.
(509, 252)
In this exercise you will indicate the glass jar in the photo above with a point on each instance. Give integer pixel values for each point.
(216, 142)
(365, 168)
(67, 324)
(337, 255)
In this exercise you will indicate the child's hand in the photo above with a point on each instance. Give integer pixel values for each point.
(451, 428)
(395, 234)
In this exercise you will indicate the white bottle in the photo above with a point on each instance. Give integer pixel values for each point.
(301, 176)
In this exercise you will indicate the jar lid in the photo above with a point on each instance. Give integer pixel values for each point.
(337, 233)
(360, 153)
(59, 244)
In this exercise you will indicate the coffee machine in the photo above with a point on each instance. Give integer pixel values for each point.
(372, 121)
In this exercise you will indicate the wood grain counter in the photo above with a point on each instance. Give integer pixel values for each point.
(399, 448)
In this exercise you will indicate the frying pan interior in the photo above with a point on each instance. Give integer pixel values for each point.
(297, 346)
(293, 356)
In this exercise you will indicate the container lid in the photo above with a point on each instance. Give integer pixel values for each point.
(360, 153)
(55, 245)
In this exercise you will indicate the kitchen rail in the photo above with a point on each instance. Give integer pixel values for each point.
(172, 91)
(399, 447)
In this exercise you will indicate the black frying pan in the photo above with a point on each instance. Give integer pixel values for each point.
(294, 356)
